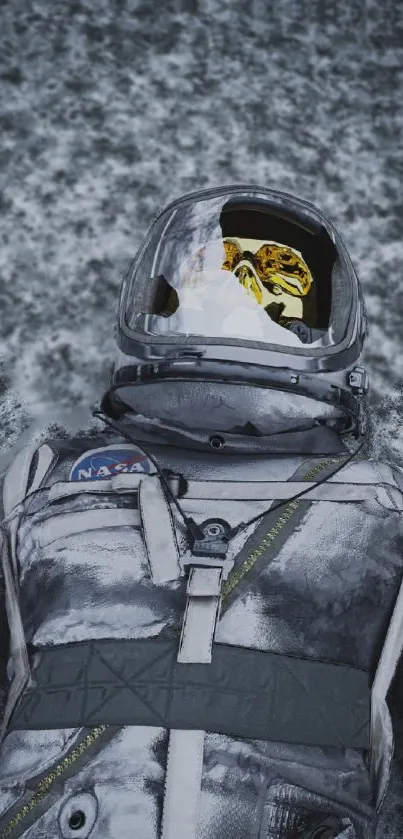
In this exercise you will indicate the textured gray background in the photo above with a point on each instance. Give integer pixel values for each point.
(111, 109)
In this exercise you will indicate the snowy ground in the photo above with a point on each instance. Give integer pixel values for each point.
(110, 109)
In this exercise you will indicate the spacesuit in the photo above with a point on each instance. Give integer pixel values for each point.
(204, 597)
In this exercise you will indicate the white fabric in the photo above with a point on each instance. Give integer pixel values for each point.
(64, 489)
(14, 491)
(201, 614)
(273, 490)
(16, 479)
(158, 530)
(233, 490)
(15, 488)
(18, 649)
(45, 460)
(204, 582)
(182, 784)
(124, 482)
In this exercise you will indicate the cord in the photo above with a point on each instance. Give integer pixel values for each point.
(193, 528)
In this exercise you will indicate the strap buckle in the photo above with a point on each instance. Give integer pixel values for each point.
(189, 561)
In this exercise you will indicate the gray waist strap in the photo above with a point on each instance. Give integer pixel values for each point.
(243, 693)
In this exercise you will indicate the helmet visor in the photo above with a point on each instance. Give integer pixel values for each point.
(239, 268)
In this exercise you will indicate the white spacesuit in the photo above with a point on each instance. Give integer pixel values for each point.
(204, 599)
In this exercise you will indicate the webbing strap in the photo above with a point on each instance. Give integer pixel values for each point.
(182, 784)
(186, 747)
(119, 483)
(227, 490)
(185, 754)
(201, 613)
(277, 490)
(158, 530)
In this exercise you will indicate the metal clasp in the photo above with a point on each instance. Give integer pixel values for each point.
(359, 381)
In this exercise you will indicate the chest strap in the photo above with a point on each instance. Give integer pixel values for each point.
(229, 490)
(243, 693)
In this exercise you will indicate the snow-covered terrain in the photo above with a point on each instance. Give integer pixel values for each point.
(110, 109)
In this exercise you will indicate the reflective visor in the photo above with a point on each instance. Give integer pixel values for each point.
(239, 267)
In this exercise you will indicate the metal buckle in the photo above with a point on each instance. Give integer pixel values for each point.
(188, 561)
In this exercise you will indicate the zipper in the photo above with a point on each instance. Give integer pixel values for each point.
(270, 537)
(45, 785)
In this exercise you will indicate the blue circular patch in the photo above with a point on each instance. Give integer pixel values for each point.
(103, 464)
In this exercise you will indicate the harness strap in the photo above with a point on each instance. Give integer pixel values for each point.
(229, 490)
(277, 490)
(183, 784)
(158, 530)
(201, 614)
(186, 747)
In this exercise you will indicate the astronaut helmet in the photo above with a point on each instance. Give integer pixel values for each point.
(241, 313)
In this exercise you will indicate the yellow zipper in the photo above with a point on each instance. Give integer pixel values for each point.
(271, 535)
(45, 785)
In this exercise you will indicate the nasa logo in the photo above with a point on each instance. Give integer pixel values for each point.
(101, 464)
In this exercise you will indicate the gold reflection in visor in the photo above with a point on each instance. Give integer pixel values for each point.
(272, 264)
(276, 275)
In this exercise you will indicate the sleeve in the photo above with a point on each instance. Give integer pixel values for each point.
(12, 640)
(396, 689)
(4, 633)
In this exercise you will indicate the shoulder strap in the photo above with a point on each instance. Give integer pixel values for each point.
(18, 482)
(19, 475)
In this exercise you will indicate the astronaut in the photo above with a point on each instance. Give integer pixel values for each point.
(204, 596)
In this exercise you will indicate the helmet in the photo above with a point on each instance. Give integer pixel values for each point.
(241, 312)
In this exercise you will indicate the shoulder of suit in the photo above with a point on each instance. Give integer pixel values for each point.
(96, 457)
(29, 468)
(372, 471)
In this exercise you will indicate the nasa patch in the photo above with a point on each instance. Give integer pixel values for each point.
(105, 463)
